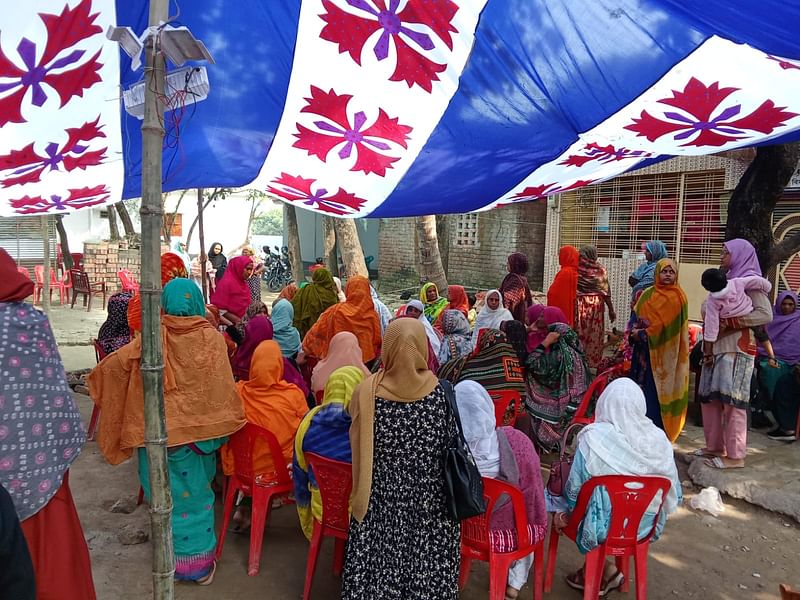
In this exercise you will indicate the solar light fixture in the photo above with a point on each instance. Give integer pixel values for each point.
(192, 81)
(130, 43)
(179, 45)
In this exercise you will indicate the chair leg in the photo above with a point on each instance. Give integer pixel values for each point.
(623, 565)
(226, 516)
(552, 551)
(311, 561)
(93, 423)
(258, 521)
(463, 572)
(640, 567)
(498, 577)
(338, 556)
(74, 297)
(90, 302)
(538, 571)
(593, 573)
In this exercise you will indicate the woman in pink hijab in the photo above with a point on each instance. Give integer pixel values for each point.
(343, 351)
(538, 318)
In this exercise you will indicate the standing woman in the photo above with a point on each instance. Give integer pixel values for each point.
(433, 302)
(402, 543)
(218, 260)
(201, 409)
(594, 295)
(312, 300)
(660, 340)
(725, 379)
(233, 292)
(515, 291)
(563, 292)
(254, 281)
(41, 435)
(644, 275)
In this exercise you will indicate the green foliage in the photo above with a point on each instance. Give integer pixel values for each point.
(269, 222)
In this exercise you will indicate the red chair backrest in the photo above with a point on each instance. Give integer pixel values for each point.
(475, 530)
(243, 445)
(501, 401)
(38, 273)
(694, 331)
(23, 271)
(630, 496)
(335, 482)
(80, 281)
(593, 392)
(99, 353)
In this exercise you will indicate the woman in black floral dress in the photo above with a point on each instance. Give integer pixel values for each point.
(402, 544)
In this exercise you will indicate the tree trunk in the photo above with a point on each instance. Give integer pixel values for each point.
(443, 240)
(752, 202)
(127, 223)
(112, 222)
(62, 236)
(329, 244)
(430, 262)
(293, 235)
(350, 247)
(194, 223)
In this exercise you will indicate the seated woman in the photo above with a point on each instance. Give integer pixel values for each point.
(115, 332)
(456, 336)
(284, 332)
(491, 315)
(493, 364)
(621, 441)
(172, 266)
(357, 315)
(507, 455)
(457, 300)
(325, 430)
(312, 300)
(538, 320)
(232, 294)
(343, 351)
(557, 377)
(433, 302)
(517, 335)
(201, 406)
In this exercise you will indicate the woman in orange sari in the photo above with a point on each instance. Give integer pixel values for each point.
(563, 292)
(357, 315)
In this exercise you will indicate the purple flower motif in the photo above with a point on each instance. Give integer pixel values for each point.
(44, 486)
(6, 463)
(68, 452)
(29, 401)
(23, 337)
(64, 427)
(37, 429)
(25, 373)
(58, 401)
(40, 458)
(14, 361)
(3, 432)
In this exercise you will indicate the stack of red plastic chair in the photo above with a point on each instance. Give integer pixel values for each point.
(55, 284)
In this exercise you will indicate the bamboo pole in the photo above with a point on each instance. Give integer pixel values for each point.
(45, 222)
(203, 257)
(155, 431)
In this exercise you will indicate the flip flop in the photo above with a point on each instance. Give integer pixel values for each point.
(702, 452)
(717, 463)
(208, 579)
(614, 582)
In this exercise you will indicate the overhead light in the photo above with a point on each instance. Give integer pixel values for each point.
(193, 80)
(180, 45)
(129, 42)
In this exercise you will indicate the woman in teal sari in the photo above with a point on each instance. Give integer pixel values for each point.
(201, 406)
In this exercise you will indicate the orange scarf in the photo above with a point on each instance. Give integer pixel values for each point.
(356, 315)
(563, 292)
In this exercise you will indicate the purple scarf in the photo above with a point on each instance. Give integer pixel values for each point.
(784, 331)
(744, 260)
(41, 432)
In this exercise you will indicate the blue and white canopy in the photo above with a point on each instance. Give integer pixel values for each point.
(390, 108)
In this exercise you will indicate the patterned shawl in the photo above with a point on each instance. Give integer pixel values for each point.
(435, 308)
(592, 276)
(494, 364)
(115, 333)
(314, 299)
(514, 289)
(665, 311)
(457, 340)
(563, 292)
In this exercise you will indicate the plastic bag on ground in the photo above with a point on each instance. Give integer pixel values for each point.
(708, 500)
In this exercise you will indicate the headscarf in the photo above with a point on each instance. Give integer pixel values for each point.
(200, 400)
(456, 340)
(644, 273)
(218, 261)
(563, 292)
(514, 289)
(518, 338)
(256, 308)
(551, 314)
(314, 299)
(494, 364)
(784, 330)
(172, 266)
(269, 402)
(177, 248)
(592, 276)
(490, 318)
(343, 351)
(405, 378)
(356, 315)
(285, 333)
(623, 441)
(434, 337)
(384, 315)
(41, 432)
(232, 292)
(665, 311)
(432, 309)
(564, 377)
(325, 431)
(744, 260)
(476, 410)
(457, 299)
(115, 332)
(287, 292)
(14, 286)
(339, 293)
(259, 329)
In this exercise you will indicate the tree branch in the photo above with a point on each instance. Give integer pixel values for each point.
(786, 248)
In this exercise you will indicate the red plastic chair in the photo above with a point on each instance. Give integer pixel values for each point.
(262, 487)
(593, 392)
(476, 542)
(55, 284)
(335, 481)
(127, 281)
(630, 497)
(502, 399)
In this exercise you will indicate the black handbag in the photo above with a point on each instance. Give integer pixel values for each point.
(463, 485)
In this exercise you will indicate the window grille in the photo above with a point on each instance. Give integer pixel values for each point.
(467, 230)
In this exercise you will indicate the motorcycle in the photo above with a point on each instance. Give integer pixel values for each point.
(277, 270)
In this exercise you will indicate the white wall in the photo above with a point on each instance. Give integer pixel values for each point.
(85, 226)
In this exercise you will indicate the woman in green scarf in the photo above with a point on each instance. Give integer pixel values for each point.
(434, 303)
(312, 300)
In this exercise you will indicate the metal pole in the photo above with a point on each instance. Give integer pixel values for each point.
(155, 431)
(203, 257)
(45, 221)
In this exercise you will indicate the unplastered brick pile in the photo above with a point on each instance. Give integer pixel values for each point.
(102, 261)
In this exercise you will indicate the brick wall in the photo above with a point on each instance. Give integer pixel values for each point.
(102, 261)
(397, 247)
